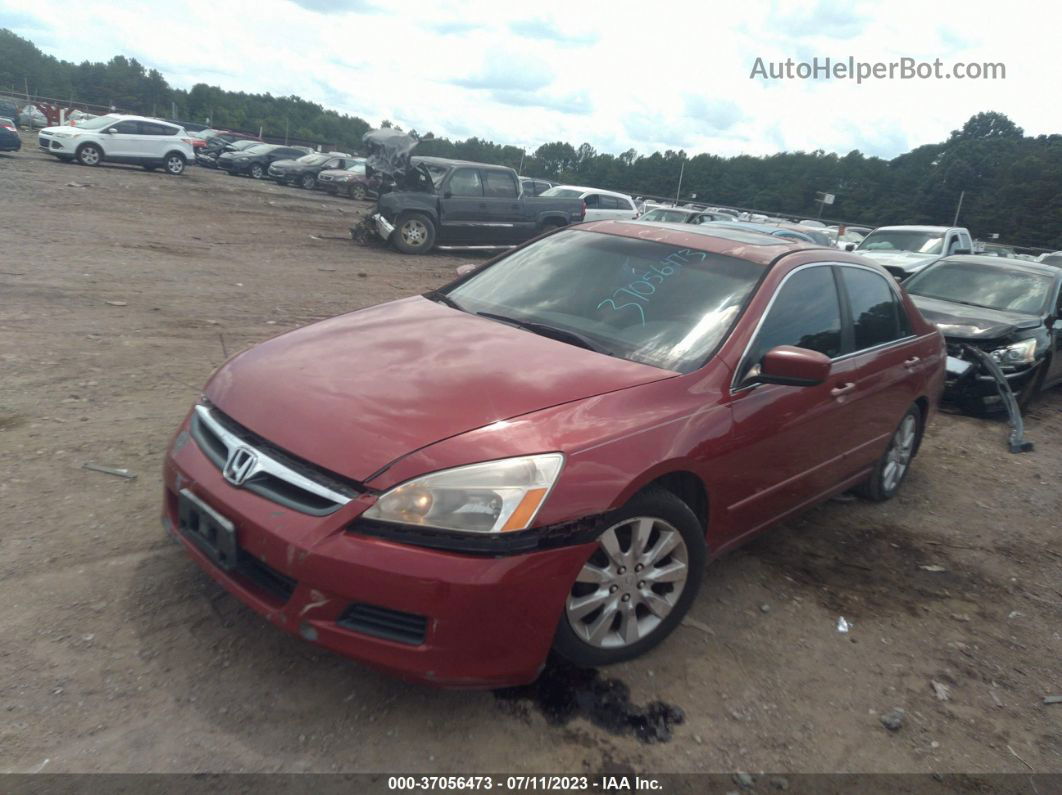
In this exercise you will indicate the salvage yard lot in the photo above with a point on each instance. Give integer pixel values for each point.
(122, 290)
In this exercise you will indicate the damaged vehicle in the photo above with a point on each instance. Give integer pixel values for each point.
(303, 171)
(544, 454)
(429, 202)
(1006, 308)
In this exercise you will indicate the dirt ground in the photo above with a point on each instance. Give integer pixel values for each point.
(121, 290)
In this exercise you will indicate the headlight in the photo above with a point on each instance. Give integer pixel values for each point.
(1023, 352)
(492, 497)
(62, 134)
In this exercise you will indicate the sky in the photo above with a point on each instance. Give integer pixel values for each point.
(648, 76)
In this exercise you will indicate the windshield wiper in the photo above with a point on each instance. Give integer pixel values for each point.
(545, 330)
(443, 298)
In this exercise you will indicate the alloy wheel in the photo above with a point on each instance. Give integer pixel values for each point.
(898, 457)
(414, 232)
(630, 584)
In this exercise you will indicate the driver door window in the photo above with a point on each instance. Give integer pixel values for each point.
(466, 182)
(806, 313)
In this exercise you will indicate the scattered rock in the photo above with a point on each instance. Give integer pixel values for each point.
(765, 608)
(942, 691)
(842, 624)
(362, 275)
(743, 780)
(933, 568)
(893, 719)
(118, 303)
(1053, 699)
(695, 624)
(327, 270)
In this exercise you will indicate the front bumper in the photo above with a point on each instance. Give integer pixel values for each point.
(966, 380)
(56, 146)
(488, 621)
(384, 228)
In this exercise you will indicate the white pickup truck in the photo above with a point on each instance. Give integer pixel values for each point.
(905, 250)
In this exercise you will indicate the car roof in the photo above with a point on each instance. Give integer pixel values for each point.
(913, 228)
(593, 190)
(1006, 263)
(715, 238)
(447, 162)
(767, 229)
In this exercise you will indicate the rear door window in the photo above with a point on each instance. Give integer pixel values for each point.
(500, 185)
(877, 315)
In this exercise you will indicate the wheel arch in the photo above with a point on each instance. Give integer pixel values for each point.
(97, 144)
(684, 484)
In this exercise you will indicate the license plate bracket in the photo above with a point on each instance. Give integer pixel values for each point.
(212, 533)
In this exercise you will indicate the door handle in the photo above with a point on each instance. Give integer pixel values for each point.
(843, 389)
(909, 363)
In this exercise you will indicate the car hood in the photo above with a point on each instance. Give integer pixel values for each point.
(287, 165)
(357, 392)
(963, 322)
(907, 260)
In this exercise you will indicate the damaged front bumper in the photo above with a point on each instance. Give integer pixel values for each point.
(384, 228)
(975, 378)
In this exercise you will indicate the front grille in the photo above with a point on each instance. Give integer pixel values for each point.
(381, 622)
(277, 585)
(277, 475)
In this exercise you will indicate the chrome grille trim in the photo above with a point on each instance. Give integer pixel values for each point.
(264, 463)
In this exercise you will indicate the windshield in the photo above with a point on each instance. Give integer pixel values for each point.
(669, 216)
(97, 123)
(313, 160)
(565, 193)
(241, 145)
(903, 240)
(993, 287)
(657, 304)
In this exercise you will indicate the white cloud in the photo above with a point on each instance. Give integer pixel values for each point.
(625, 75)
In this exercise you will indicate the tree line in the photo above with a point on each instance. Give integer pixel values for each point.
(1009, 182)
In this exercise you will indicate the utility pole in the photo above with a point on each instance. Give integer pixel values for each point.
(682, 171)
(955, 222)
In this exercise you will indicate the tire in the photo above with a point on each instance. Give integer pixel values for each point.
(891, 469)
(598, 626)
(256, 171)
(89, 155)
(307, 181)
(357, 191)
(414, 234)
(174, 164)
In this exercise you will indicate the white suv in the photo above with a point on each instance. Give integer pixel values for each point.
(601, 205)
(121, 139)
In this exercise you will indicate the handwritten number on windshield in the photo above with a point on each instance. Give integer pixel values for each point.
(642, 288)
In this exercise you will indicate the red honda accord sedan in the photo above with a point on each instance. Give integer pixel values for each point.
(545, 453)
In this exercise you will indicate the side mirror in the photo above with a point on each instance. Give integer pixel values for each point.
(112, 131)
(849, 246)
(962, 251)
(792, 366)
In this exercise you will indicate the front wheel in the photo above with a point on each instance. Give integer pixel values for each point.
(174, 164)
(256, 171)
(89, 155)
(892, 467)
(415, 234)
(357, 191)
(636, 585)
(308, 181)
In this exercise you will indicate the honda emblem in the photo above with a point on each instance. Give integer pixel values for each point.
(241, 464)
